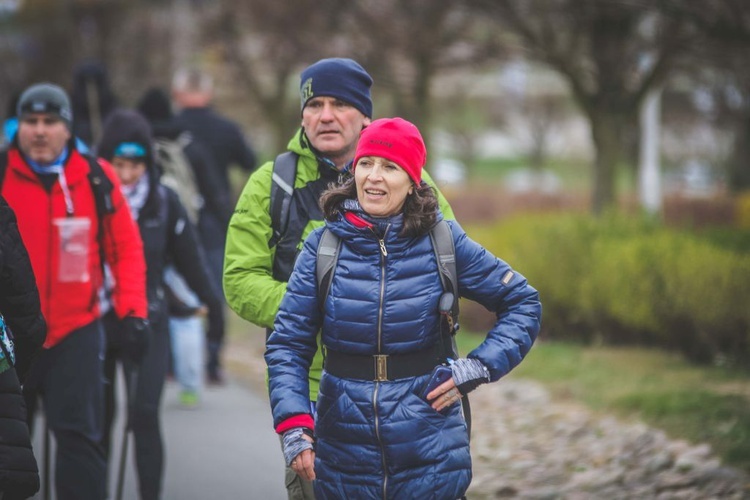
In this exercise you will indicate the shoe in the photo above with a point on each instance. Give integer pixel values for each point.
(216, 378)
(189, 399)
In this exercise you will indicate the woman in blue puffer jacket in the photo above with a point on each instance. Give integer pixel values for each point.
(373, 435)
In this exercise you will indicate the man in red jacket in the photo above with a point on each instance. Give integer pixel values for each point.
(47, 183)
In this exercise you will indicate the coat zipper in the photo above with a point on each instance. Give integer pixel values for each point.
(383, 255)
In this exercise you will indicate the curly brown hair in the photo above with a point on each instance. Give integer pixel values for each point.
(420, 208)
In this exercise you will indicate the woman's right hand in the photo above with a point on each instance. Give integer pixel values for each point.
(304, 464)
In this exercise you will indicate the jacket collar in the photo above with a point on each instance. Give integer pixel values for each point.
(76, 166)
(300, 145)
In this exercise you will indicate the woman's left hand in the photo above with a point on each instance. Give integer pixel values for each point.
(444, 395)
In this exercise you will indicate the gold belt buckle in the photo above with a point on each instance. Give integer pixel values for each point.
(381, 367)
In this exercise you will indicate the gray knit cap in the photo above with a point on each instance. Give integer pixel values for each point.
(46, 98)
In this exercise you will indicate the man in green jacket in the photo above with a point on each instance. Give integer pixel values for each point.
(336, 106)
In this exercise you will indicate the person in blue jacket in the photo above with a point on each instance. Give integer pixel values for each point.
(375, 436)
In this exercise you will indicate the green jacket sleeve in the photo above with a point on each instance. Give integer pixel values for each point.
(249, 286)
(444, 205)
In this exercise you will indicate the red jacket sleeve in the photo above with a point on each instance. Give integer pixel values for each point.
(123, 252)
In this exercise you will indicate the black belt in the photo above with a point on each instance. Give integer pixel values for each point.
(380, 367)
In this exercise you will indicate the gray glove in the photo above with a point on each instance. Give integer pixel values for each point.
(294, 443)
(468, 374)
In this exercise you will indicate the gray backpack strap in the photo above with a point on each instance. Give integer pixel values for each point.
(328, 254)
(282, 189)
(445, 252)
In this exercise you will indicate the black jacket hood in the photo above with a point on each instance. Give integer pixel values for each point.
(157, 108)
(125, 125)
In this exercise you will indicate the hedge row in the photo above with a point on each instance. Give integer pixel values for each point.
(630, 281)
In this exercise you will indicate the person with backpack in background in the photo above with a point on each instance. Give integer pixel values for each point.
(192, 92)
(383, 428)
(73, 219)
(187, 168)
(178, 148)
(279, 207)
(168, 237)
(22, 333)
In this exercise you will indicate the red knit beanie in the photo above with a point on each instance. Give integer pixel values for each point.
(397, 140)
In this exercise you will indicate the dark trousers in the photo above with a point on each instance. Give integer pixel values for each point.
(144, 408)
(68, 377)
(211, 234)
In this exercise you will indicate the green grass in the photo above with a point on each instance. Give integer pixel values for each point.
(575, 174)
(698, 404)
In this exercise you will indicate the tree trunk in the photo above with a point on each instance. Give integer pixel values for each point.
(739, 166)
(422, 92)
(606, 132)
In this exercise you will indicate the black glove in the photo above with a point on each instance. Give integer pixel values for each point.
(24, 358)
(136, 336)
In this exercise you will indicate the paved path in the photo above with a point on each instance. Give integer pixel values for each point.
(225, 449)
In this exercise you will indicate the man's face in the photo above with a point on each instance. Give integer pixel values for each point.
(333, 128)
(42, 136)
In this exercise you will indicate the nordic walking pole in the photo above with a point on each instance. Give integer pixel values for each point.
(133, 383)
(47, 441)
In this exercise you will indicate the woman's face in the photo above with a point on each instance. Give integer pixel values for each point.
(382, 186)
(129, 171)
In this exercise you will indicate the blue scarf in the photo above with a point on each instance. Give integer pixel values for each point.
(54, 167)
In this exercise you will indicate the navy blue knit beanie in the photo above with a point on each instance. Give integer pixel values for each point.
(337, 77)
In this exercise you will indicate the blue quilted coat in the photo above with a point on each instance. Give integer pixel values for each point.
(380, 439)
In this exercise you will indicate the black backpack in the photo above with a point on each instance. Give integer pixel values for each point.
(291, 209)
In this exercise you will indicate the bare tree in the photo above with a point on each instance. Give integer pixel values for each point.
(268, 43)
(48, 38)
(544, 112)
(402, 44)
(406, 44)
(611, 52)
(722, 59)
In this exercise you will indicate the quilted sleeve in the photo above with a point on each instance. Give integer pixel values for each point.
(491, 282)
(19, 300)
(292, 345)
